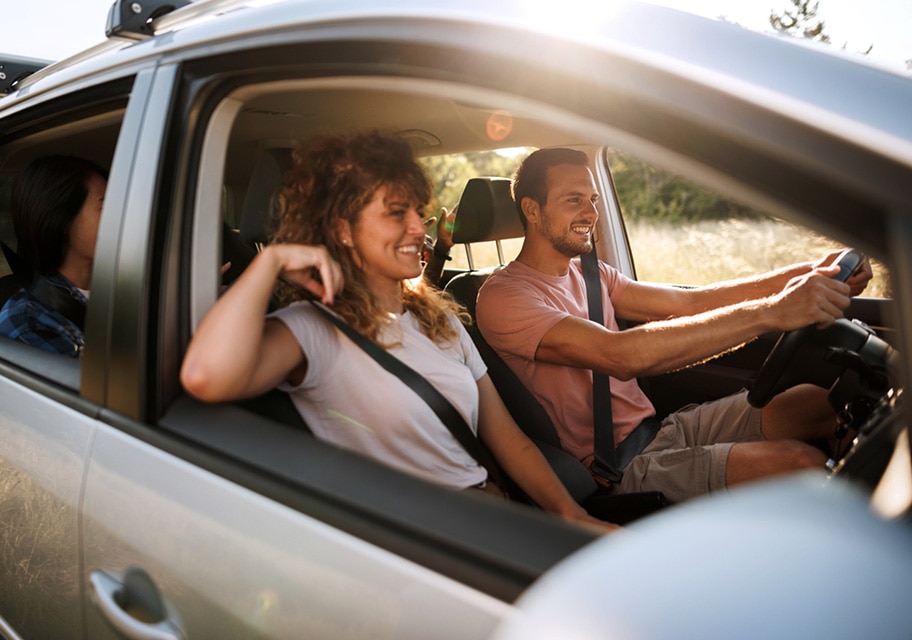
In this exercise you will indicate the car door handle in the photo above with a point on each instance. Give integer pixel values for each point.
(133, 605)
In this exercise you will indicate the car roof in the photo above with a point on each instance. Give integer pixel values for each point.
(744, 112)
(817, 82)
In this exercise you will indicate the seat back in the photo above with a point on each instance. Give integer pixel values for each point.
(9, 285)
(487, 213)
(258, 212)
(19, 278)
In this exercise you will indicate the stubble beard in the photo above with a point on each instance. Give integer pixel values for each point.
(566, 246)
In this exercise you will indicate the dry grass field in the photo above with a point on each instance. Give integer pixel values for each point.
(698, 253)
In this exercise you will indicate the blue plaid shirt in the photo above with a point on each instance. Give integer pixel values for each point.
(25, 319)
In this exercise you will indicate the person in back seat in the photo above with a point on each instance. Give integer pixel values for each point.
(350, 235)
(534, 314)
(436, 252)
(56, 207)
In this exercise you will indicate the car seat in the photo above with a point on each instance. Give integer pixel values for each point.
(487, 213)
(19, 277)
(256, 226)
(258, 211)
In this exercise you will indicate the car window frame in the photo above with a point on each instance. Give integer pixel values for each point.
(55, 116)
(499, 549)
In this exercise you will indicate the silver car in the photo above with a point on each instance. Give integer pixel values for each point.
(130, 510)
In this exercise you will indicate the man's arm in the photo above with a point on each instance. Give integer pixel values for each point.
(667, 345)
(645, 302)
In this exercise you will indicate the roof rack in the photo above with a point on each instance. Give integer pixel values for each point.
(136, 20)
(140, 19)
(133, 18)
(13, 69)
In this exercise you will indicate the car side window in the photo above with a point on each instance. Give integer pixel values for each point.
(682, 233)
(85, 134)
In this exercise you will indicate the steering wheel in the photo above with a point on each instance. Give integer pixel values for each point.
(771, 378)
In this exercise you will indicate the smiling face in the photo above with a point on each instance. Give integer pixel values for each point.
(568, 215)
(388, 238)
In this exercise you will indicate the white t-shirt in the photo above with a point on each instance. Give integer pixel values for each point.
(347, 398)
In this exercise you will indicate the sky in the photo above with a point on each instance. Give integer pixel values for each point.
(56, 29)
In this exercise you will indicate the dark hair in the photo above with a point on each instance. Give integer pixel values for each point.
(47, 195)
(530, 179)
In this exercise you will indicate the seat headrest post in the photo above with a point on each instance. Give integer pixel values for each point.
(469, 257)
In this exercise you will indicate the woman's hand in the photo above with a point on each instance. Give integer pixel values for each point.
(595, 525)
(309, 267)
(524, 463)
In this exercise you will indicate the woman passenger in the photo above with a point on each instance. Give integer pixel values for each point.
(351, 233)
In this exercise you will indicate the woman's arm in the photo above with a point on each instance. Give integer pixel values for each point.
(235, 352)
(523, 462)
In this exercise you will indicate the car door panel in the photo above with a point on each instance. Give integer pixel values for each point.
(42, 453)
(232, 563)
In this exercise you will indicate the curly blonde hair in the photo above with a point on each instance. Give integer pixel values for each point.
(334, 178)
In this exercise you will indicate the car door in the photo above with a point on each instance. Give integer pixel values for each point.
(47, 421)
(46, 433)
(172, 548)
(217, 521)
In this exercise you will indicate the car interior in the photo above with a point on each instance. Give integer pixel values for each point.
(266, 121)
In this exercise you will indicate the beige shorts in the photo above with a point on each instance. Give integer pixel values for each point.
(689, 453)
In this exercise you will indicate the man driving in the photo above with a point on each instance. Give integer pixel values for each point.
(534, 313)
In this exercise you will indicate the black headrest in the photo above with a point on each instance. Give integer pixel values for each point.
(486, 212)
(16, 264)
(257, 216)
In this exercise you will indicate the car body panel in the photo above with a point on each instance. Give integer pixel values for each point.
(45, 444)
(246, 566)
(750, 535)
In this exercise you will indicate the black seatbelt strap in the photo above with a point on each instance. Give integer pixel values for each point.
(610, 461)
(59, 300)
(605, 463)
(444, 409)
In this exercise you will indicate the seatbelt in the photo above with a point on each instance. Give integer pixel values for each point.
(443, 408)
(52, 297)
(59, 300)
(610, 461)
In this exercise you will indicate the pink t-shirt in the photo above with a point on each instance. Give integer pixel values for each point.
(517, 306)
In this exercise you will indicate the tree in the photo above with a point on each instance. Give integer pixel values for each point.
(449, 174)
(801, 19)
(648, 193)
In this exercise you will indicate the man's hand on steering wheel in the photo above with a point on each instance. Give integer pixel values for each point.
(860, 277)
(814, 298)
